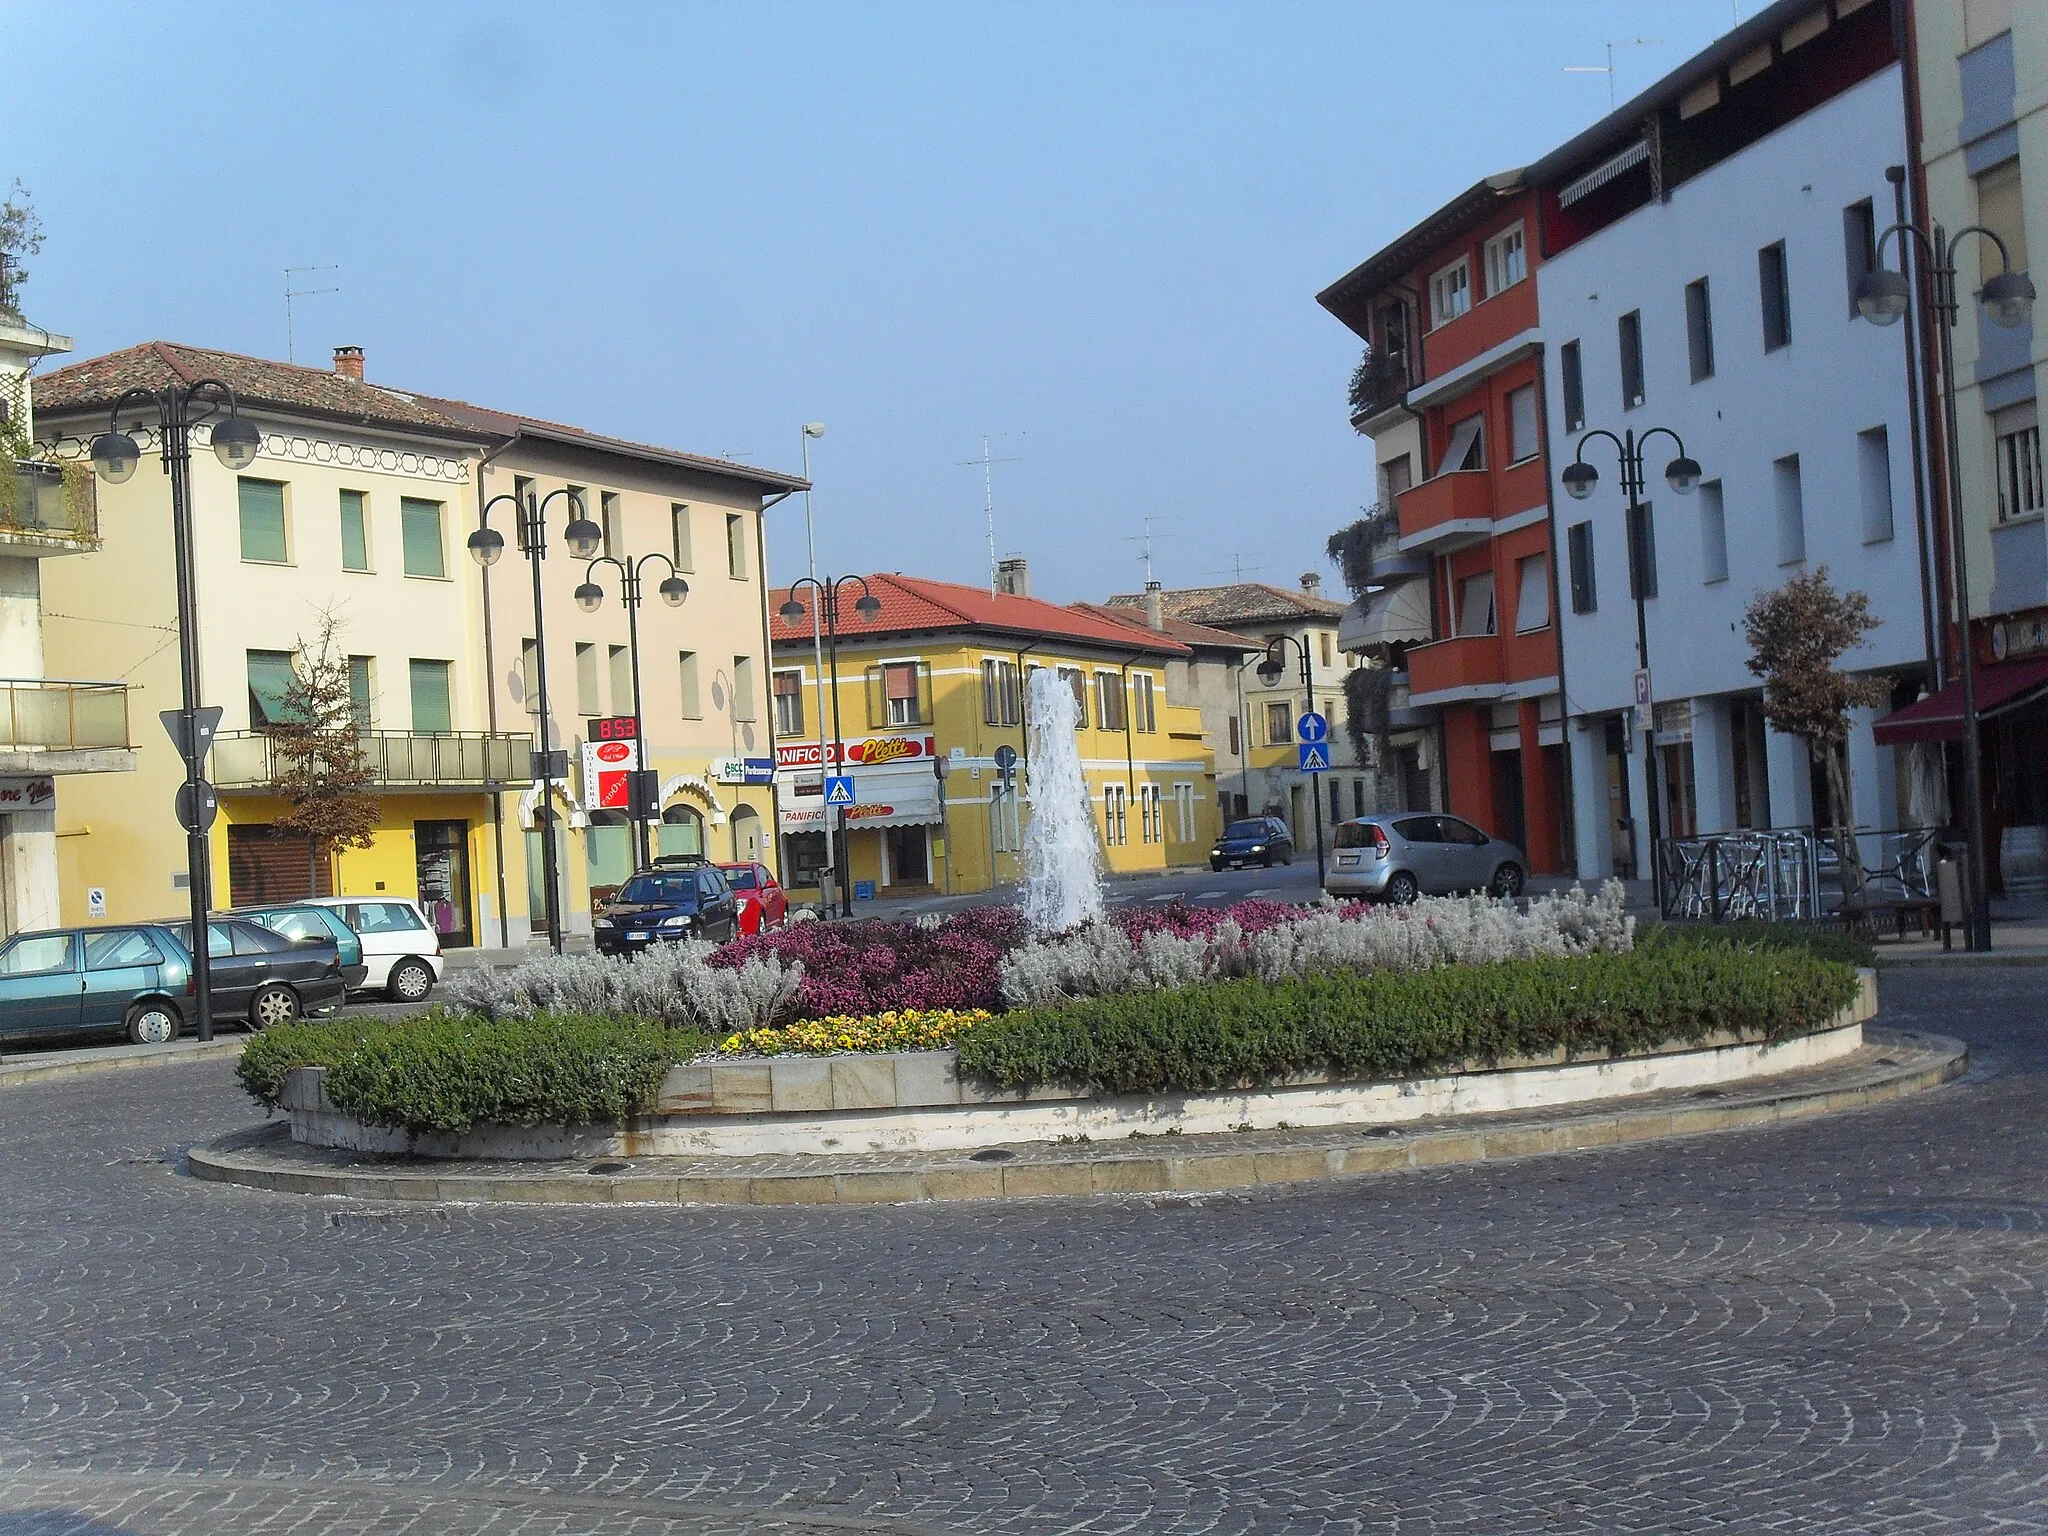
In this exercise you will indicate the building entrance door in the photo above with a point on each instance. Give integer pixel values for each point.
(441, 851)
(1621, 830)
(1510, 820)
(909, 856)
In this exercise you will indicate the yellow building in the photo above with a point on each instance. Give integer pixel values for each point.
(359, 505)
(930, 689)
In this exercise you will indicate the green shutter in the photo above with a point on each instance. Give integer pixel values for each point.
(433, 710)
(423, 550)
(359, 690)
(270, 681)
(262, 520)
(355, 532)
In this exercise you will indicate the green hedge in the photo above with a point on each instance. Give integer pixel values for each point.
(447, 1071)
(1828, 944)
(1384, 1025)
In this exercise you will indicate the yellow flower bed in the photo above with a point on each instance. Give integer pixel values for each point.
(907, 1029)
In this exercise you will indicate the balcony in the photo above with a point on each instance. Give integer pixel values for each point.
(46, 507)
(1379, 385)
(49, 726)
(1450, 512)
(471, 760)
(1450, 671)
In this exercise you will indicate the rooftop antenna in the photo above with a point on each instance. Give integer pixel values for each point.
(988, 498)
(290, 341)
(1235, 570)
(1607, 69)
(1145, 541)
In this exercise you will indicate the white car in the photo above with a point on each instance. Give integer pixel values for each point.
(401, 950)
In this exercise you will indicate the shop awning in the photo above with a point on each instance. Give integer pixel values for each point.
(1939, 717)
(898, 795)
(1385, 616)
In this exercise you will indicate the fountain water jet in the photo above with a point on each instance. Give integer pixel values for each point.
(1062, 863)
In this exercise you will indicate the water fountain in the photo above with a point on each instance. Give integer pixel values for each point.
(1062, 864)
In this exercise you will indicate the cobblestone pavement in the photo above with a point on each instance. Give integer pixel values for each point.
(1829, 1326)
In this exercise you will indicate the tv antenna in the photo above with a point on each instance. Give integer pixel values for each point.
(1607, 69)
(290, 293)
(1144, 540)
(1235, 570)
(988, 497)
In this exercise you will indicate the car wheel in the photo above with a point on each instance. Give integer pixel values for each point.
(411, 981)
(1401, 888)
(1507, 880)
(274, 1005)
(1289, 859)
(1216, 866)
(1267, 858)
(152, 1023)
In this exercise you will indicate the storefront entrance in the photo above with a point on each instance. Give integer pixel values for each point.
(909, 855)
(442, 852)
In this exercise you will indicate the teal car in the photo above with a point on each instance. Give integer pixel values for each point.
(136, 978)
(310, 923)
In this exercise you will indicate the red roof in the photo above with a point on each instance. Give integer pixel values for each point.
(915, 605)
(1174, 629)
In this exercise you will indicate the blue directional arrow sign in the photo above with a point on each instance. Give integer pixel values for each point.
(1315, 756)
(1313, 727)
(839, 789)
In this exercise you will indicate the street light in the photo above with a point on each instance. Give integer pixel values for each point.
(817, 429)
(867, 605)
(1884, 297)
(590, 597)
(1269, 674)
(115, 458)
(486, 547)
(1682, 474)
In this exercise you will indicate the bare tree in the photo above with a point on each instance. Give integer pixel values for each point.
(318, 762)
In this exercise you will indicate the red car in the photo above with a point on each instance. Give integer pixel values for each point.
(762, 904)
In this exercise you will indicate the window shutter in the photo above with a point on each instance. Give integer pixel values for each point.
(924, 693)
(878, 704)
(421, 525)
(262, 512)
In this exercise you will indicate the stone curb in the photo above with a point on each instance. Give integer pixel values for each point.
(117, 1058)
(1962, 959)
(1098, 1171)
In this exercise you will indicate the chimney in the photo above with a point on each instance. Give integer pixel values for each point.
(1311, 584)
(1155, 606)
(348, 362)
(1013, 576)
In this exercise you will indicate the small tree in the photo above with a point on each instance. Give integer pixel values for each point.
(21, 236)
(1796, 636)
(320, 768)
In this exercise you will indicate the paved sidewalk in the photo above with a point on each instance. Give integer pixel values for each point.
(59, 1061)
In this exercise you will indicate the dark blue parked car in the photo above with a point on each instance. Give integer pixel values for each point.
(663, 905)
(1255, 840)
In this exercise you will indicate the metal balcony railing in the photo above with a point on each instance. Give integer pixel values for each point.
(49, 715)
(40, 499)
(398, 759)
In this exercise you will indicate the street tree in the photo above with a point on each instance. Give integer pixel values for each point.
(318, 765)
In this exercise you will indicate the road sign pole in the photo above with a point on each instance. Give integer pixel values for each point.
(176, 427)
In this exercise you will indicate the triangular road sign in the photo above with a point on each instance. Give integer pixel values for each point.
(205, 721)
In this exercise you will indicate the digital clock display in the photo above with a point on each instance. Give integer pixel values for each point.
(614, 728)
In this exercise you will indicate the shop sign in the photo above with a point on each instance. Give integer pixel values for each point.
(1674, 722)
(27, 794)
(866, 751)
(2019, 637)
(807, 817)
(607, 767)
(743, 770)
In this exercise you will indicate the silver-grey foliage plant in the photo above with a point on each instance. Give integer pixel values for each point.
(670, 983)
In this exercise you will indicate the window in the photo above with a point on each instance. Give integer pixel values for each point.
(35, 954)
(355, 531)
(1358, 797)
(621, 660)
(271, 677)
(1336, 798)
(1522, 423)
(1475, 605)
(1532, 593)
(122, 947)
(360, 691)
(2017, 438)
(789, 703)
(1327, 644)
(384, 917)
(736, 546)
(1002, 698)
(1699, 330)
(433, 698)
(1151, 814)
(1450, 293)
(1396, 475)
(743, 688)
(1005, 824)
(522, 490)
(587, 701)
(1874, 480)
(1506, 261)
(1279, 723)
(1113, 799)
(686, 674)
(609, 518)
(263, 531)
(1071, 676)
(679, 536)
(1466, 448)
(1631, 335)
(1713, 533)
(1859, 245)
(1109, 701)
(1572, 381)
(529, 675)
(1236, 737)
(1999, 210)
(1579, 550)
(1790, 502)
(1773, 287)
(900, 694)
(1642, 553)
(1145, 715)
(420, 521)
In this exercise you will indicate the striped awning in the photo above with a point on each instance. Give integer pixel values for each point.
(1603, 173)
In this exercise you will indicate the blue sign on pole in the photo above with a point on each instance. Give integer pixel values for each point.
(1315, 757)
(1313, 727)
(839, 789)
(759, 770)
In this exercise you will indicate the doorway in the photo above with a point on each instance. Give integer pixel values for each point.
(1510, 821)
(1621, 827)
(909, 856)
(441, 851)
(748, 841)
(545, 823)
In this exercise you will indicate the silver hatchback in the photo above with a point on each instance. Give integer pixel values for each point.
(1400, 855)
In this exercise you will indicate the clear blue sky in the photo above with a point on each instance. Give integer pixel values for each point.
(1098, 228)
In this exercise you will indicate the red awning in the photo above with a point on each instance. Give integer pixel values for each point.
(1939, 717)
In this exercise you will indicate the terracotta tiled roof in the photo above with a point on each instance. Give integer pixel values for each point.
(1190, 635)
(914, 605)
(1241, 602)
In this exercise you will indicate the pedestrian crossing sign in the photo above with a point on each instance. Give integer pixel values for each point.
(1315, 756)
(839, 789)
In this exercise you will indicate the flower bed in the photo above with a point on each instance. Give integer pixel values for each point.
(904, 1030)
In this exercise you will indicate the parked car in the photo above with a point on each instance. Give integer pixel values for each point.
(1255, 840)
(265, 977)
(314, 923)
(659, 905)
(1399, 855)
(135, 978)
(761, 900)
(401, 950)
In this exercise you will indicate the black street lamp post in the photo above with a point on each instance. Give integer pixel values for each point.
(115, 456)
(867, 605)
(1682, 474)
(589, 597)
(1269, 673)
(1883, 297)
(486, 547)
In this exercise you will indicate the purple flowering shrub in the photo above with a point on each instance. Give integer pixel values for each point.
(1254, 915)
(872, 965)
